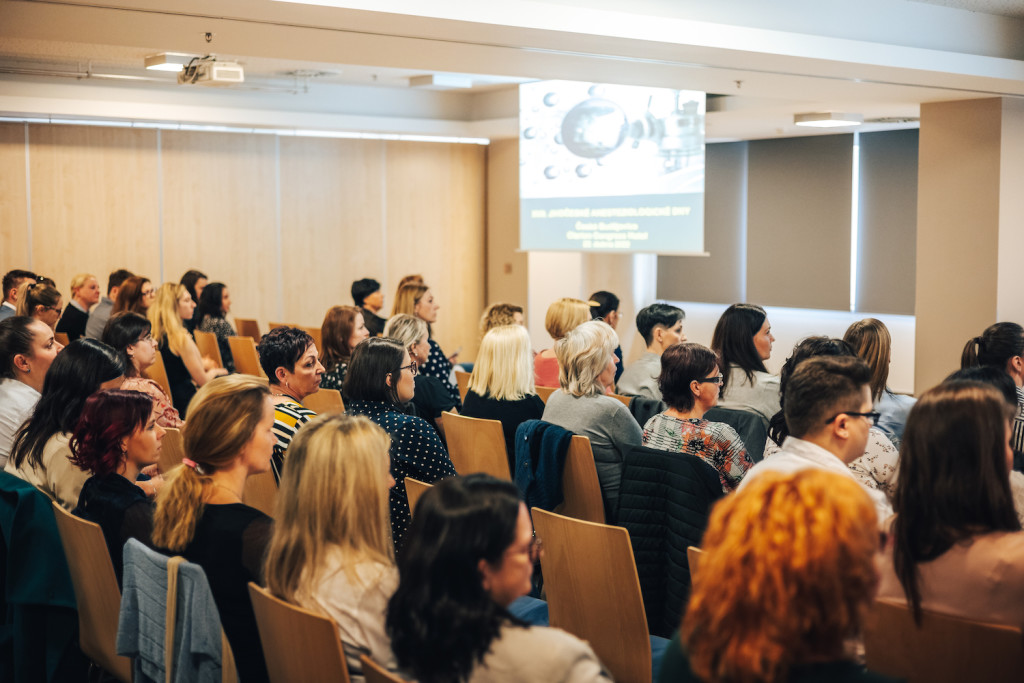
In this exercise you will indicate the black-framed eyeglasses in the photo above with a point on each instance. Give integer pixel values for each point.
(717, 379)
(873, 416)
(411, 367)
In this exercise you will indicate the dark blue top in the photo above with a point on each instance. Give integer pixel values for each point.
(416, 451)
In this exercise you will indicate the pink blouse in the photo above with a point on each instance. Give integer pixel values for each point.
(168, 415)
(545, 371)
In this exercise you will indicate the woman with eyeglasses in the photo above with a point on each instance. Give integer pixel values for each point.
(876, 469)
(689, 382)
(130, 335)
(40, 301)
(431, 398)
(418, 300)
(136, 294)
(470, 554)
(381, 377)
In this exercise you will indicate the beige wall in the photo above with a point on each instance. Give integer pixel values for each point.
(287, 223)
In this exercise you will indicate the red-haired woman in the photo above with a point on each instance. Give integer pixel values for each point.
(116, 437)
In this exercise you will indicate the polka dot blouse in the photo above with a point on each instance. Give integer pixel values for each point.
(439, 366)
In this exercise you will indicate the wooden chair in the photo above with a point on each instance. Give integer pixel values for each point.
(593, 591)
(462, 379)
(476, 445)
(248, 327)
(580, 486)
(325, 401)
(62, 338)
(208, 346)
(693, 555)
(247, 361)
(158, 374)
(172, 450)
(943, 649)
(414, 488)
(260, 492)
(624, 399)
(274, 326)
(299, 645)
(316, 334)
(544, 392)
(375, 673)
(96, 592)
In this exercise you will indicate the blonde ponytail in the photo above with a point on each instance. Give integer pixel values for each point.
(179, 507)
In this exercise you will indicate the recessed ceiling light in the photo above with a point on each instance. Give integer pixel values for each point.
(168, 61)
(441, 82)
(828, 119)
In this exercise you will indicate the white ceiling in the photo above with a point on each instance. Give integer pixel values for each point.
(1006, 8)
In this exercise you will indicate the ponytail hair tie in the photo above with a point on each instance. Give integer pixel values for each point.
(188, 462)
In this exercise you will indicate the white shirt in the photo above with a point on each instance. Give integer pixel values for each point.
(797, 455)
(17, 401)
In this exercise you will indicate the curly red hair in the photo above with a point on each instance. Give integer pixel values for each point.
(786, 575)
(107, 418)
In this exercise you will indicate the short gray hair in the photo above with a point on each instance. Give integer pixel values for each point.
(583, 353)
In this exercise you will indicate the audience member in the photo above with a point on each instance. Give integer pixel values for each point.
(195, 283)
(876, 468)
(562, 316)
(130, 335)
(343, 328)
(116, 438)
(135, 295)
(211, 316)
(870, 340)
(743, 341)
(689, 382)
(661, 326)
(431, 398)
(586, 361)
(786, 577)
(501, 386)
(1002, 346)
(828, 412)
(85, 293)
(331, 550)
(40, 301)
(369, 298)
(13, 279)
(470, 553)
(182, 361)
(381, 377)
(418, 300)
(27, 348)
(291, 362)
(100, 313)
(956, 542)
(605, 306)
(200, 514)
(500, 314)
(41, 449)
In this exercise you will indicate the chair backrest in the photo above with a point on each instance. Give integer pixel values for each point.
(248, 327)
(593, 591)
(62, 338)
(462, 379)
(298, 645)
(158, 374)
(274, 326)
(943, 648)
(96, 592)
(375, 673)
(623, 399)
(172, 449)
(693, 555)
(316, 334)
(243, 351)
(325, 401)
(748, 424)
(260, 492)
(208, 347)
(544, 392)
(414, 488)
(580, 486)
(476, 445)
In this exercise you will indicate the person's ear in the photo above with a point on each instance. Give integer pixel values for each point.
(387, 381)
(841, 426)
(281, 374)
(695, 387)
(485, 573)
(21, 361)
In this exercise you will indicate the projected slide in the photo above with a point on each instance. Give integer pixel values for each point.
(611, 168)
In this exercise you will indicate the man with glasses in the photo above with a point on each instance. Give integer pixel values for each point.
(661, 326)
(828, 410)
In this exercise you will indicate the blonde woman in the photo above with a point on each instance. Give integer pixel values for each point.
(182, 361)
(85, 293)
(562, 316)
(501, 386)
(431, 397)
(331, 550)
(199, 513)
(418, 300)
(40, 301)
(586, 356)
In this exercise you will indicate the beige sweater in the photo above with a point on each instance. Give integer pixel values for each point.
(56, 476)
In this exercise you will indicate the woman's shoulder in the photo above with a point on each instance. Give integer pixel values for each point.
(544, 653)
(295, 411)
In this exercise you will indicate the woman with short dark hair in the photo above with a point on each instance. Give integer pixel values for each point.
(380, 378)
(743, 341)
(689, 384)
(470, 554)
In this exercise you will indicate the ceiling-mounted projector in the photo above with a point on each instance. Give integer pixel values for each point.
(208, 71)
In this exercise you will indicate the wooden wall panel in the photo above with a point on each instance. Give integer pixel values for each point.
(220, 216)
(332, 223)
(436, 226)
(94, 202)
(14, 246)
